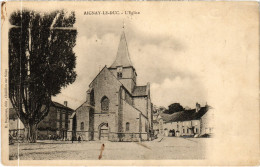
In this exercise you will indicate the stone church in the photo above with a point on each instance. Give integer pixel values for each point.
(116, 109)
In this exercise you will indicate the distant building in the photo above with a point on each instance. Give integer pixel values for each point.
(158, 121)
(198, 121)
(155, 123)
(53, 126)
(116, 108)
(16, 127)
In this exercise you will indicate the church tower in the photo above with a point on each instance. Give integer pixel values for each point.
(122, 67)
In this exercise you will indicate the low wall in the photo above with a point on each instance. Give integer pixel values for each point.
(112, 136)
(127, 137)
(46, 135)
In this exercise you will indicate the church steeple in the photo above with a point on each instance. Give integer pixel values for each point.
(122, 67)
(122, 57)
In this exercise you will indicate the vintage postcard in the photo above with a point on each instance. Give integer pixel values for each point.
(130, 83)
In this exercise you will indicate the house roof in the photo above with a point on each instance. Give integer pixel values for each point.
(139, 91)
(58, 105)
(186, 115)
(13, 115)
(122, 57)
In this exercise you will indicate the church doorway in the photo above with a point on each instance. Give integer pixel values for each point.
(103, 131)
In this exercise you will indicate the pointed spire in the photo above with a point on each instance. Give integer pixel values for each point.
(122, 57)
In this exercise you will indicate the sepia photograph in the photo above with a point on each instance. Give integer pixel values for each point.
(155, 82)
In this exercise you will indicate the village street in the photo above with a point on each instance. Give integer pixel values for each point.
(161, 148)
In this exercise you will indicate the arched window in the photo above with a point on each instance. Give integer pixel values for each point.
(105, 104)
(82, 126)
(127, 126)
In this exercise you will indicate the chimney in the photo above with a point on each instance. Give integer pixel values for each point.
(197, 107)
(66, 103)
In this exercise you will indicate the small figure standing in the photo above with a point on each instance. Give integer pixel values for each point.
(79, 139)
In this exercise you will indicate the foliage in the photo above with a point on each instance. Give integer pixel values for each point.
(41, 62)
(175, 107)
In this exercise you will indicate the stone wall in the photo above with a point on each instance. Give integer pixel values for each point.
(207, 122)
(128, 78)
(82, 118)
(141, 104)
(131, 115)
(100, 119)
(120, 110)
(183, 126)
(105, 84)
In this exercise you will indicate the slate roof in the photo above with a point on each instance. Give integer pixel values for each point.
(139, 91)
(12, 112)
(58, 105)
(122, 57)
(186, 115)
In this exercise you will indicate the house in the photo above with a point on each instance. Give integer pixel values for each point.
(198, 121)
(116, 108)
(16, 127)
(54, 125)
(155, 123)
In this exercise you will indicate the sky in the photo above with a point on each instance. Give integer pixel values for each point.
(178, 50)
(163, 58)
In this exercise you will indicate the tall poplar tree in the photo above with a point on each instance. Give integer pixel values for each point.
(41, 62)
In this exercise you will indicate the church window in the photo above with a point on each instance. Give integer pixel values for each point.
(82, 126)
(127, 127)
(119, 75)
(104, 104)
(119, 72)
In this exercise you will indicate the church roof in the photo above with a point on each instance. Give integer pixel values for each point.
(139, 91)
(122, 57)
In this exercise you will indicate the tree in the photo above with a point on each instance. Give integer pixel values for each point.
(175, 107)
(41, 62)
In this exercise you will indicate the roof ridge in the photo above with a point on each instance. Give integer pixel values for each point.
(63, 106)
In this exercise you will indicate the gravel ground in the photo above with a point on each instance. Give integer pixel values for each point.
(167, 148)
